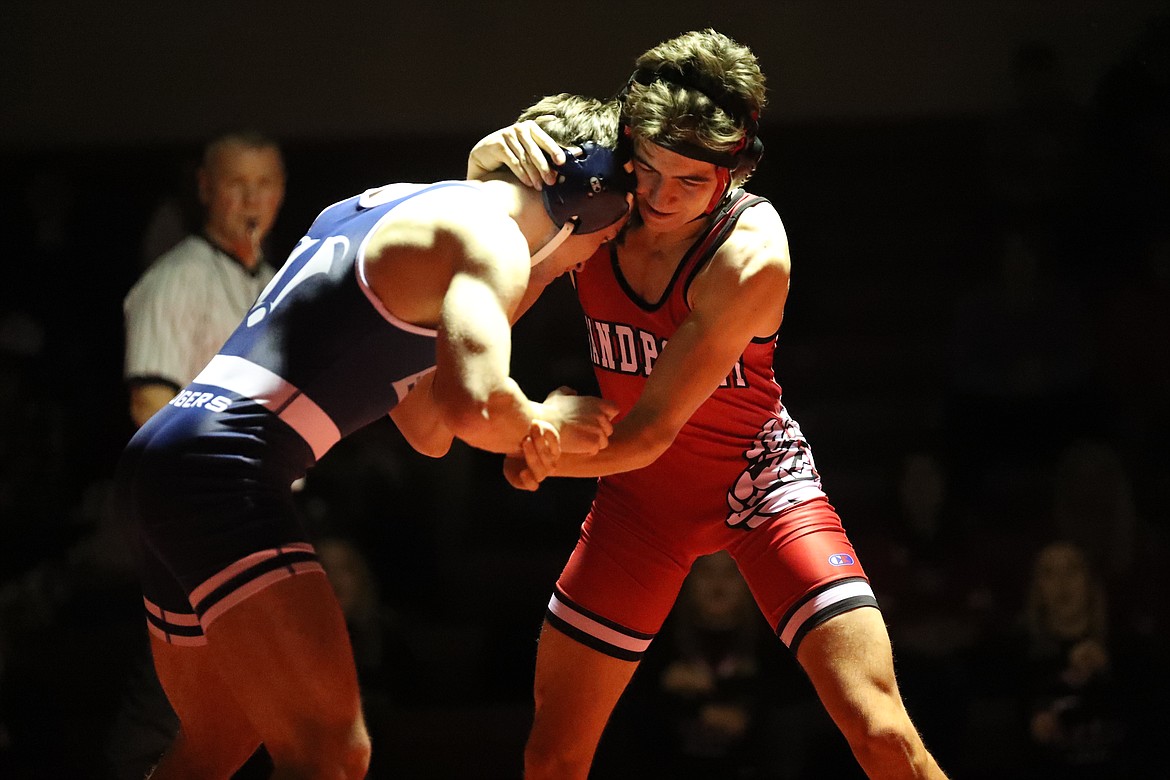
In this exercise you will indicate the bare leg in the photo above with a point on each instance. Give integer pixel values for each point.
(215, 737)
(849, 660)
(576, 690)
(283, 659)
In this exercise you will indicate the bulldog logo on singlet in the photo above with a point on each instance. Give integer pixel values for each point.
(299, 268)
(625, 349)
(779, 474)
(407, 383)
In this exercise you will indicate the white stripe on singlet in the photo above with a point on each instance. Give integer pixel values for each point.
(594, 629)
(834, 594)
(255, 585)
(243, 377)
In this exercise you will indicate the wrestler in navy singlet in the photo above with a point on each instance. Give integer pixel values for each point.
(207, 479)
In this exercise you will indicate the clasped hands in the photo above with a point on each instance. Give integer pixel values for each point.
(568, 423)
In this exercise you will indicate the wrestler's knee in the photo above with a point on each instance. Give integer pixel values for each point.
(323, 747)
(555, 749)
(555, 759)
(881, 734)
(210, 758)
(885, 737)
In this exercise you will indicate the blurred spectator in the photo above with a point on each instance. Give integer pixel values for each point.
(1094, 507)
(1084, 693)
(698, 706)
(1075, 716)
(939, 601)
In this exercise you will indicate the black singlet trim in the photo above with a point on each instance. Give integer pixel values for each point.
(721, 225)
(726, 220)
(841, 607)
(173, 629)
(561, 597)
(283, 560)
(811, 595)
(591, 641)
(638, 300)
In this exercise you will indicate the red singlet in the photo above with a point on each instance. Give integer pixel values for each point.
(739, 476)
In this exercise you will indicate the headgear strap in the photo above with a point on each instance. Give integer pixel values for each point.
(688, 76)
(750, 148)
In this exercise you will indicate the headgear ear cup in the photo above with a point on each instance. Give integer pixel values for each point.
(590, 189)
(590, 194)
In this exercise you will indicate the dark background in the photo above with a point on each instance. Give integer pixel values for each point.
(908, 165)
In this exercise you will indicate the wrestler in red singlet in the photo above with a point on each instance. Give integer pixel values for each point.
(739, 476)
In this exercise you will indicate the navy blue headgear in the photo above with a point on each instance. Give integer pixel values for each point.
(590, 190)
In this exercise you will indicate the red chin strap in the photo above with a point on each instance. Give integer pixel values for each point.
(723, 177)
(722, 173)
(723, 180)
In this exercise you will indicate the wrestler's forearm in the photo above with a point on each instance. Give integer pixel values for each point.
(632, 446)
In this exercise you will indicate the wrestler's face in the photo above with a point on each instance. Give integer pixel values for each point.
(672, 189)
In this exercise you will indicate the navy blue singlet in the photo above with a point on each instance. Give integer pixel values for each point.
(208, 479)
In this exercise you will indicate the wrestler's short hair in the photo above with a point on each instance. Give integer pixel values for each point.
(572, 120)
(699, 91)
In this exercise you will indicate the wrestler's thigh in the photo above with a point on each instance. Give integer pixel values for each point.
(850, 663)
(284, 652)
(801, 569)
(211, 718)
(622, 576)
(575, 691)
